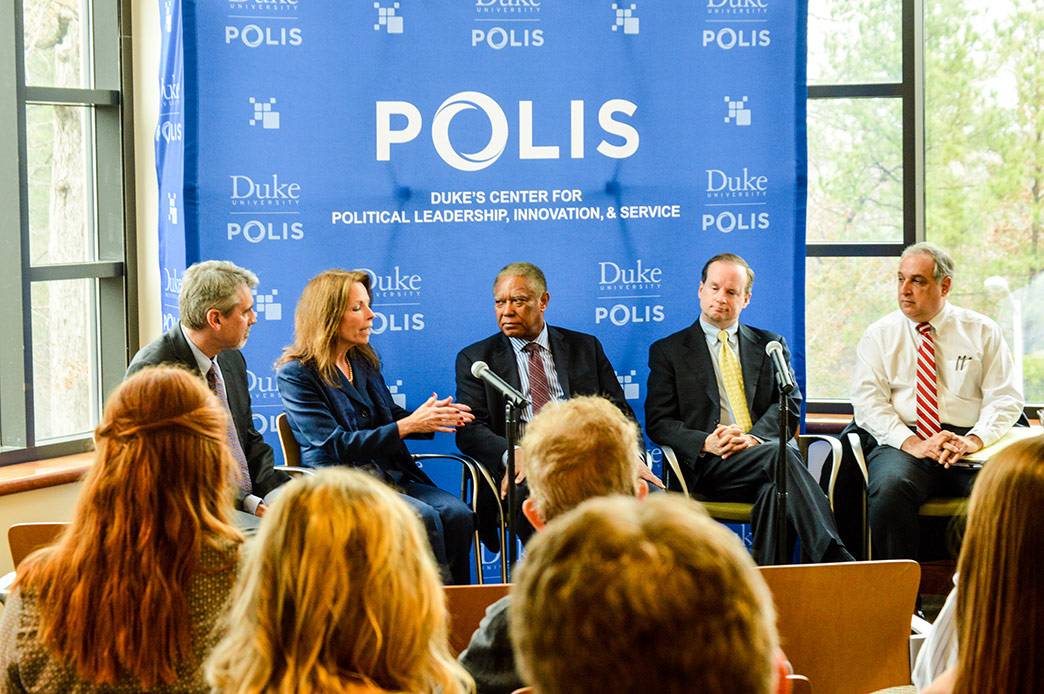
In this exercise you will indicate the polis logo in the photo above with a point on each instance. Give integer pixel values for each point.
(395, 317)
(497, 37)
(169, 132)
(728, 221)
(171, 280)
(259, 231)
(264, 424)
(745, 185)
(255, 36)
(169, 321)
(266, 192)
(261, 387)
(728, 38)
(631, 308)
(410, 115)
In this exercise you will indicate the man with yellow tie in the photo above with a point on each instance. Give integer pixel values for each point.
(712, 398)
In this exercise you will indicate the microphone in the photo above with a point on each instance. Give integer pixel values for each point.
(480, 369)
(779, 365)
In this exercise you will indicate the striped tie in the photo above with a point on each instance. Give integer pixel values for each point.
(927, 395)
(732, 374)
(539, 390)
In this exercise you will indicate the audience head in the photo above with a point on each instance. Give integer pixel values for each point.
(328, 301)
(925, 277)
(519, 299)
(1000, 593)
(112, 590)
(339, 590)
(215, 299)
(575, 450)
(628, 596)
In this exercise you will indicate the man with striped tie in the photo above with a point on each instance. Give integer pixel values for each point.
(544, 362)
(933, 382)
(712, 398)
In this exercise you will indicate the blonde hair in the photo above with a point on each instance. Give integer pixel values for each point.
(626, 596)
(578, 449)
(112, 591)
(339, 589)
(317, 319)
(1000, 597)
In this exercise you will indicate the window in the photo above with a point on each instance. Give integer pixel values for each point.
(924, 122)
(62, 270)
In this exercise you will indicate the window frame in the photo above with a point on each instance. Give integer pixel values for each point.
(112, 205)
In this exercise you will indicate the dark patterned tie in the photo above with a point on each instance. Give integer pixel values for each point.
(539, 390)
(927, 395)
(218, 388)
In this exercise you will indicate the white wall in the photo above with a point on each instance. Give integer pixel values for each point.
(38, 505)
(146, 56)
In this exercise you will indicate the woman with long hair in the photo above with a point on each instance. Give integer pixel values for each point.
(1000, 593)
(339, 593)
(126, 599)
(342, 413)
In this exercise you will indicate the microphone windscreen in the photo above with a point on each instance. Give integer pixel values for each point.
(773, 346)
(478, 368)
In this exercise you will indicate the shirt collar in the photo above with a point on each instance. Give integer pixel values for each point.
(518, 343)
(202, 361)
(711, 331)
(937, 321)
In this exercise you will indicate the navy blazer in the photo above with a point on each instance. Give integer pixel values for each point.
(682, 405)
(336, 426)
(172, 348)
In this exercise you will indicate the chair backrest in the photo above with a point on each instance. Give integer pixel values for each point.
(25, 538)
(846, 626)
(467, 605)
(291, 449)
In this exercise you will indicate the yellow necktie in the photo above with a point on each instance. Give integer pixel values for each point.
(732, 374)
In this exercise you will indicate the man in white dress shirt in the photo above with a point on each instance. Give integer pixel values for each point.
(933, 383)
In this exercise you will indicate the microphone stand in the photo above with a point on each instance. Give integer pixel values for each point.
(780, 517)
(511, 417)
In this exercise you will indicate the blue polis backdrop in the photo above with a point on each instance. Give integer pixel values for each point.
(615, 144)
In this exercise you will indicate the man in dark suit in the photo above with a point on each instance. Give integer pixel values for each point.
(545, 363)
(720, 413)
(217, 311)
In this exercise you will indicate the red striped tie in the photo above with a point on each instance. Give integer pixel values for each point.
(539, 390)
(927, 395)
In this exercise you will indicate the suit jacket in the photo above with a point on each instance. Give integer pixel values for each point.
(582, 367)
(173, 348)
(682, 405)
(337, 426)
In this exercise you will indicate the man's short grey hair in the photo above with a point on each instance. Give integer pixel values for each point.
(944, 266)
(211, 284)
(528, 270)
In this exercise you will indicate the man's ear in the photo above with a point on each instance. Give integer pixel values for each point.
(529, 510)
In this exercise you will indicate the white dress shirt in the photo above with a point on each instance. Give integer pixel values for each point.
(975, 376)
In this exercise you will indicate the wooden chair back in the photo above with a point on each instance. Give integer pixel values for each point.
(291, 449)
(467, 605)
(25, 538)
(846, 627)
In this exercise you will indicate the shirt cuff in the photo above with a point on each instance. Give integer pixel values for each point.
(250, 503)
(897, 436)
